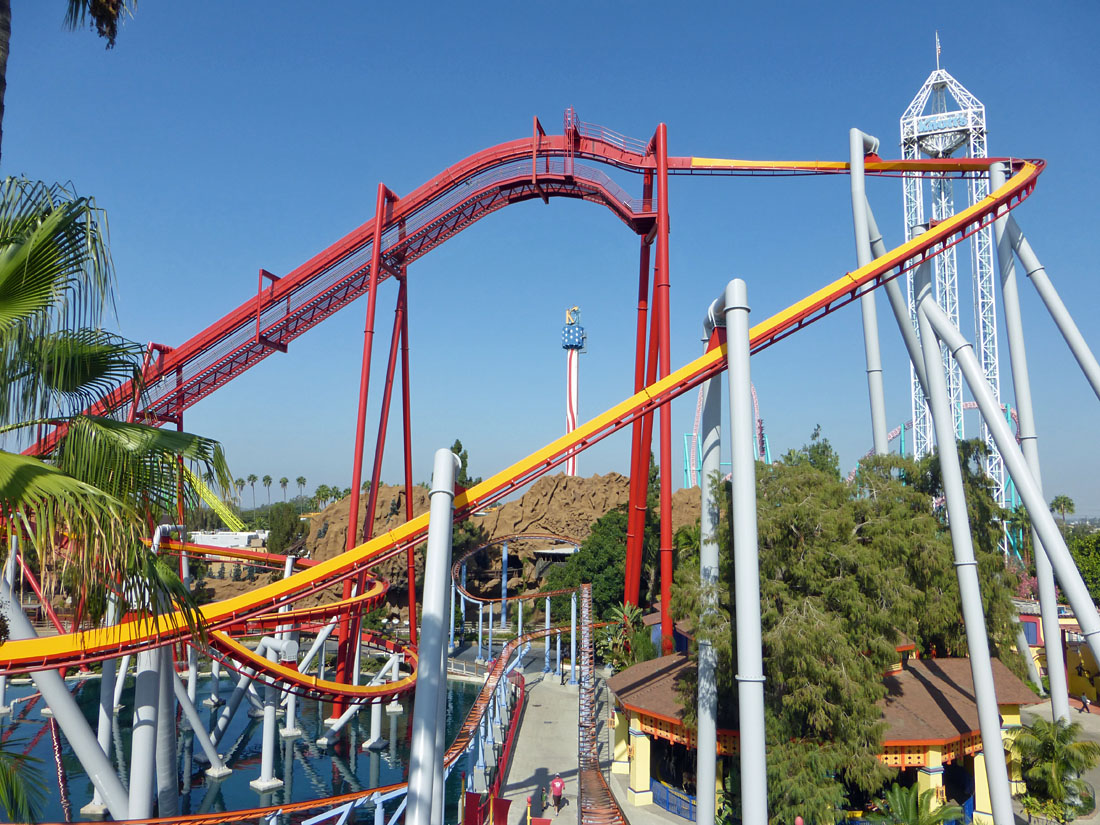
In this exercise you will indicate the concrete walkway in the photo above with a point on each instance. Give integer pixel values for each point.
(546, 744)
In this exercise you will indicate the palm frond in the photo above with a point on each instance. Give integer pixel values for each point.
(22, 791)
(138, 463)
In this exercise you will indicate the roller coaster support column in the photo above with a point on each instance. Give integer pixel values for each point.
(462, 602)
(638, 454)
(451, 643)
(9, 580)
(1037, 273)
(489, 649)
(707, 736)
(214, 700)
(480, 627)
(860, 144)
(557, 668)
(342, 658)
(573, 639)
(661, 296)
(217, 768)
(406, 431)
(120, 682)
(69, 716)
(1021, 384)
(167, 762)
(900, 308)
(425, 763)
(746, 568)
(546, 663)
(1069, 578)
(504, 585)
(966, 567)
(143, 738)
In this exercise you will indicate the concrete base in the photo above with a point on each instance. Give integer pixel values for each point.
(290, 733)
(639, 798)
(47, 712)
(218, 773)
(375, 744)
(395, 707)
(5, 710)
(211, 702)
(263, 786)
(94, 810)
(255, 713)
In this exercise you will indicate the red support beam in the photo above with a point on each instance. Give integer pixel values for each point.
(638, 477)
(406, 421)
(384, 198)
(661, 296)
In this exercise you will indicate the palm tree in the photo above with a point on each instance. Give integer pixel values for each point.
(267, 486)
(102, 481)
(283, 482)
(1063, 505)
(322, 495)
(252, 479)
(301, 482)
(1052, 761)
(239, 484)
(908, 806)
(1019, 526)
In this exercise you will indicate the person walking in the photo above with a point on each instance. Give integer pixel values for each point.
(557, 788)
(544, 801)
(1085, 704)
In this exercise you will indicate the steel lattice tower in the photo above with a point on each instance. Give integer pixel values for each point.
(931, 129)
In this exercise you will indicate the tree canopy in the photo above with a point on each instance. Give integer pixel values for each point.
(846, 571)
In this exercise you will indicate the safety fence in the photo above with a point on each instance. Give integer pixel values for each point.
(672, 800)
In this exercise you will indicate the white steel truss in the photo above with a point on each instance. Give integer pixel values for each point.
(939, 132)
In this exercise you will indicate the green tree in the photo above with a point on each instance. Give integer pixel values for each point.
(252, 479)
(301, 482)
(267, 486)
(239, 483)
(908, 806)
(285, 527)
(1063, 505)
(283, 482)
(1085, 550)
(844, 570)
(1052, 760)
(462, 478)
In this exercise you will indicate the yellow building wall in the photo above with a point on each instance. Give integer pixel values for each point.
(621, 752)
(1084, 682)
(638, 792)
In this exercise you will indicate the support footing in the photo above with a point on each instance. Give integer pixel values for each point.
(375, 744)
(47, 712)
(94, 810)
(290, 733)
(265, 785)
(219, 773)
(210, 702)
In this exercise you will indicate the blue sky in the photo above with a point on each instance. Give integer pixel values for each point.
(222, 138)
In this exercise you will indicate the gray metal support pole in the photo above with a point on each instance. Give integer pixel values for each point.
(192, 654)
(1069, 578)
(430, 681)
(489, 647)
(707, 737)
(214, 700)
(557, 669)
(966, 567)
(106, 705)
(168, 779)
(519, 617)
(217, 768)
(318, 644)
(546, 663)
(504, 586)
(231, 706)
(750, 665)
(1066, 325)
(143, 737)
(439, 779)
(120, 682)
(463, 601)
(268, 781)
(480, 629)
(451, 643)
(858, 144)
(900, 308)
(68, 715)
(573, 639)
(1021, 387)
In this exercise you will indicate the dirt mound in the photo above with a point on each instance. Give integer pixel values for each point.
(562, 505)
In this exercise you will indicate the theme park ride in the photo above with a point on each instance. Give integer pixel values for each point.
(404, 228)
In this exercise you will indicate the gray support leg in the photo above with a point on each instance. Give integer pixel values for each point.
(451, 643)
(966, 567)
(546, 661)
(707, 737)
(214, 700)
(168, 779)
(503, 587)
(858, 143)
(120, 683)
(1021, 384)
(68, 715)
(480, 628)
(143, 738)
(1069, 578)
(1038, 275)
(430, 679)
(217, 768)
(231, 706)
(439, 779)
(268, 781)
(750, 666)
